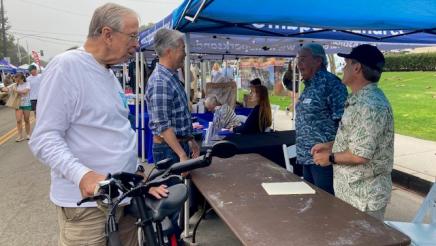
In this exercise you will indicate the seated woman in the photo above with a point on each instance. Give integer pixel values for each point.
(260, 117)
(224, 116)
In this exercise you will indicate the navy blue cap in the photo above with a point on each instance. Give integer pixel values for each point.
(367, 55)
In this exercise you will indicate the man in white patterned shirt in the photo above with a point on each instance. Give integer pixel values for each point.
(363, 150)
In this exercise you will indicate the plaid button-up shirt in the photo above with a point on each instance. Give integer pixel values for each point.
(167, 103)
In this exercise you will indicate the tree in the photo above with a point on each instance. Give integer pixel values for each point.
(145, 27)
(332, 63)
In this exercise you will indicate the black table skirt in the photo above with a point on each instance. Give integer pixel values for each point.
(268, 144)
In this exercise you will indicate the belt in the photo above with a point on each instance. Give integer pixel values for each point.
(158, 139)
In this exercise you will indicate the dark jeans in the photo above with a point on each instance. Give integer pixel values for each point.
(321, 177)
(162, 151)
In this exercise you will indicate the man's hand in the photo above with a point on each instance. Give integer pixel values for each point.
(88, 183)
(195, 148)
(322, 158)
(321, 147)
(159, 192)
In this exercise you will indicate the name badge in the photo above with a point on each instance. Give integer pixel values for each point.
(307, 101)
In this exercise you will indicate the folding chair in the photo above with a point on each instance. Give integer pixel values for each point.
(420, 233)
(289, 153)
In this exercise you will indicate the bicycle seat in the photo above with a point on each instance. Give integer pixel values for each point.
(167, 206)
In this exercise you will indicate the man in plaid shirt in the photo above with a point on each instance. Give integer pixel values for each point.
(167, 103)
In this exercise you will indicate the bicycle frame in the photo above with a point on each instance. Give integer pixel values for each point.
(131, 185)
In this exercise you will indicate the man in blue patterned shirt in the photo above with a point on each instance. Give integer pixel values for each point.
(318, 112)
(167, 103)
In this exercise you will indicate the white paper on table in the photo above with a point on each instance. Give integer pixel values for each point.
(287, 188)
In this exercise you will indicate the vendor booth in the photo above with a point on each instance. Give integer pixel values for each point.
(224, 28)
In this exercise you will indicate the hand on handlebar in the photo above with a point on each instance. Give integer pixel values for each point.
(88, 183)
(159, 192)
(184, 158)
(195, 148)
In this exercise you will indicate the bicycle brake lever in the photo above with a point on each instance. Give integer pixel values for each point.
(91, 199)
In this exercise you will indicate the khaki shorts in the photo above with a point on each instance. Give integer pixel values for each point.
(86, 226)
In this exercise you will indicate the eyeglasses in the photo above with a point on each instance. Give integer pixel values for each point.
(132, 36)
(302, 59)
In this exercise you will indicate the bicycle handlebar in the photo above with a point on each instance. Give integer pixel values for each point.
(122, 180)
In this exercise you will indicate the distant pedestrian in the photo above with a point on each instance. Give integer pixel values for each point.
(34, 81)
(22, 88)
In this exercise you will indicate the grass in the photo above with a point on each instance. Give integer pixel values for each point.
(413, 99)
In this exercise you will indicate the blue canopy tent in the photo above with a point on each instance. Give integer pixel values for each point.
(216, 23)
(394, 21)
(5, 66)
(278, 27)
(218, 28)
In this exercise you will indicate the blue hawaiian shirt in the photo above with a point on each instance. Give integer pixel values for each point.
(167, 103)
(318, 112)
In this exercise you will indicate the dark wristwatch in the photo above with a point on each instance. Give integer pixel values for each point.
(332, 158)
(140, 169)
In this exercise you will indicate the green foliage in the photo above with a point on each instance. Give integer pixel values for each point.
(413, 99)
(283, 101)
(411, 62)
(12, 47)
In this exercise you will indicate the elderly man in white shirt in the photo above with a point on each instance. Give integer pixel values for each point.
(83, 132)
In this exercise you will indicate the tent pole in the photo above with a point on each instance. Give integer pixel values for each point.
(137, 95)
(203, 78)
(294, 90)
(124, 77)
(142, 108)
(187, 67)
(183, 14)
(188, 92)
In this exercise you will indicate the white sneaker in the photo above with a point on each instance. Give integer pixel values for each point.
(19, 139)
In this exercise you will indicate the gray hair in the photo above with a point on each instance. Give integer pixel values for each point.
(317, 51)
(369, 74)
(110, 15)
(211, 100)
(166, 39)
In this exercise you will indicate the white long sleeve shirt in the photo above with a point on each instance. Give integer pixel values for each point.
(34, 82)
(82, 124)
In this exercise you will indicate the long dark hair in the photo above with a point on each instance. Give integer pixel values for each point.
(22, 76)
(265, 117)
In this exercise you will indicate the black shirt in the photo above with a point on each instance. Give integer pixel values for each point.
(251, 125)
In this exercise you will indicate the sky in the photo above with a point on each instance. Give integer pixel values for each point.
(56, 25)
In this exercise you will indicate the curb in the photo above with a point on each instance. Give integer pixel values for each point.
(411, 182)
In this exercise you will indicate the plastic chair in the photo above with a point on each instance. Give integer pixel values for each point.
(420, 233)
(274, 109)
(288, 153)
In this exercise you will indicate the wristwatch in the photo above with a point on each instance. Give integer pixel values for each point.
(332, 158)
(140, 169)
